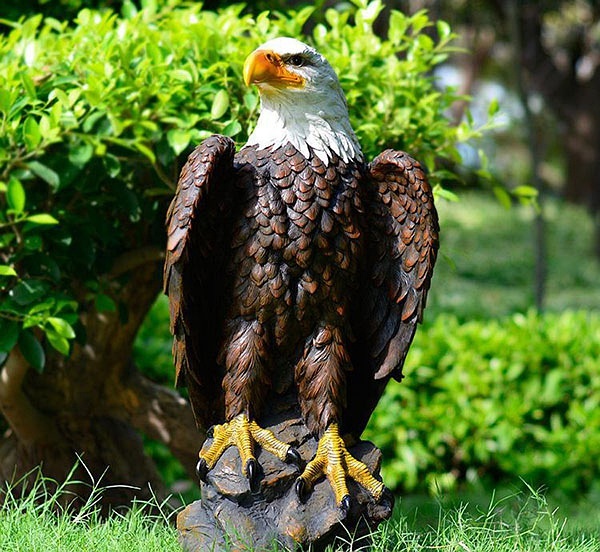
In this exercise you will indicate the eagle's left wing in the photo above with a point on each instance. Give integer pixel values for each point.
(402, 242)
(197, 225)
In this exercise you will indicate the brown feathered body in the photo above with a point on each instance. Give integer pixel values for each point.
(286, 273)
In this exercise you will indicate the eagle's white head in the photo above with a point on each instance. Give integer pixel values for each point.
(301, 101)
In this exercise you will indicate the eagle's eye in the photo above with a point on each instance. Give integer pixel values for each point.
(296, 60)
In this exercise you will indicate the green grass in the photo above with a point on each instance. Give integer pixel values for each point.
(486, 264)
(514, 523)
(39, 522)
(42, 521)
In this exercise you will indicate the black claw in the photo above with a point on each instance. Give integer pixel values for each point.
(210, 432)
(252, 471)
(387, 498)
(201, 469)
(292, 456)
(345, 505)
(301, 489)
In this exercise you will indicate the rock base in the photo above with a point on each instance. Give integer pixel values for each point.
(233, 517)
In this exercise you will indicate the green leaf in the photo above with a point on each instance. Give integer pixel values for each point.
(91, 120)
(493, 107)
(42, 218)
(250, 101)
(233, 128)
(9, 334)
(45, 305)
(28, 85)
(57, 341)
(81, 154)
(220, 105)
(45, 173)
(27, 291)
(178, 139)
(6, 270)
(438, 191)
(31, 133)
(5, 100)
(525, 191)
(32, 350)
(181, 75)
(502, 196)
(112, 165)
(15, 195)
(128, 9)
(33, 242)
(443, 29)
(104, 303)
(142, 148)
(61, 327)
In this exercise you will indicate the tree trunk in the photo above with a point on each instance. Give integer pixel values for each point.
(92, 406)
(535, 152)
(573, 98)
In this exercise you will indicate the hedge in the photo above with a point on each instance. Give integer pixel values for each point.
(496, 400)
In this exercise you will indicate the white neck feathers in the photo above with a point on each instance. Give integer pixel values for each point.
(325, 132)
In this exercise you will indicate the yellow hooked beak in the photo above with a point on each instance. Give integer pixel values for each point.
(267, 67)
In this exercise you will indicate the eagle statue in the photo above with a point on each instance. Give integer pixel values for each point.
(294, 266)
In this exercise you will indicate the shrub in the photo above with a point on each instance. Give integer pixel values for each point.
(516, 397)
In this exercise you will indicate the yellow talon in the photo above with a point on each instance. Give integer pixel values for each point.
(267, 440)
(242, 433)
(334, 462)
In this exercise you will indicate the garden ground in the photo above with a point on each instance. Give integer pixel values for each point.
(509, 523)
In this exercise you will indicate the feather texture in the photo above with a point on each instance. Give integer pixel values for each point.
(402, 242)
(285, 268)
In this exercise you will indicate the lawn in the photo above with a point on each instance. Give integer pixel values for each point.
(509, 522)
(36, 523)
(486, 264)
(522, 522)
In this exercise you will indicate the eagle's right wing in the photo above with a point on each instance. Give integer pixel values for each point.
(402, 236)
(197, 233)
(403, 242)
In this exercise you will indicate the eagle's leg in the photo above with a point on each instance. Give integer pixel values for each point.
(242, 433)
(333, 461)
(321, 377)
(245, 384)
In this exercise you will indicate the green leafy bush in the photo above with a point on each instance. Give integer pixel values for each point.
(515, 397)
(96, 117)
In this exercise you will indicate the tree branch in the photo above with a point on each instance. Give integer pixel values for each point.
(133, 259)
(161, 414)
(164, 177)
(555, 85)
(28, 423)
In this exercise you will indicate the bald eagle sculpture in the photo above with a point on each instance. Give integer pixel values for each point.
(295, 266)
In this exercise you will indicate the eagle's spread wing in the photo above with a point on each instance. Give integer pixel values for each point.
(402, 242)
(403, 236)
(193, 277)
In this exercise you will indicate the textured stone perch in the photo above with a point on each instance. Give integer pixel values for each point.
(232, 516)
